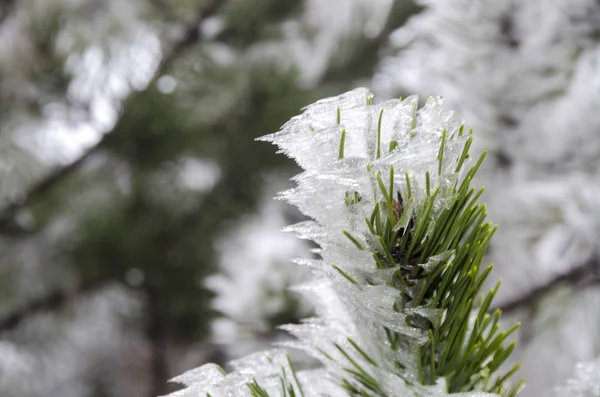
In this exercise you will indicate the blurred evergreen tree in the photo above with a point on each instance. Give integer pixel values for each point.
(128, 150)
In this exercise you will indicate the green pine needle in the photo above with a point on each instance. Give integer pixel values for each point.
(342, 143)
(466, 357)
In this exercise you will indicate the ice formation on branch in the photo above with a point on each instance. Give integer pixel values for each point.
(401, 239)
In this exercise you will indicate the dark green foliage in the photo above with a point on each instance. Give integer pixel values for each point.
(241, 16)
(438, 261)
(174, 247)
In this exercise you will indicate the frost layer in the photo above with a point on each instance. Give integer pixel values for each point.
(400, 253)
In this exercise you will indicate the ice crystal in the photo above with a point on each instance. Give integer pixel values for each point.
(401, 241)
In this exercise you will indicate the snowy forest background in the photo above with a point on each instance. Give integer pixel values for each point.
(138, 237)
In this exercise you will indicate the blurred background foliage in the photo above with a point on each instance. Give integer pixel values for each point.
(138, 237)
(129, 171)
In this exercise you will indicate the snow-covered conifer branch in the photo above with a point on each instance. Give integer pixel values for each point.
(402, 237)
(585, 383)
(526, 76)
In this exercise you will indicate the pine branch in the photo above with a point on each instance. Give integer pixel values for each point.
(583, 275)
(402, 248)
(190, 36)
(37, 190)
(55, 300)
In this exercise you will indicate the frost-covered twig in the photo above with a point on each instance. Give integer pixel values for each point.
(402, 240)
